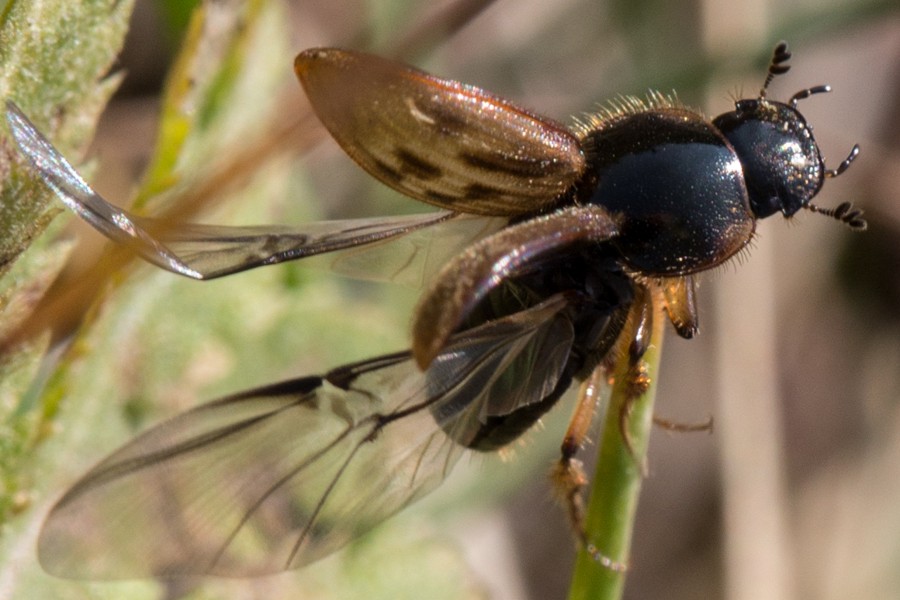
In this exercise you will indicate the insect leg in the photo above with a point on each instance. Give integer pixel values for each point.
(568, 476)
(638, 380)
(680, 295)
(680, 427)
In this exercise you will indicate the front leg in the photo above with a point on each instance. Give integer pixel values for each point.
(568, 477)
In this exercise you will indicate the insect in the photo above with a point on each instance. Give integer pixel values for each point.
(633, 201)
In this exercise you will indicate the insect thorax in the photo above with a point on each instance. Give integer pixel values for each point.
(675, 183)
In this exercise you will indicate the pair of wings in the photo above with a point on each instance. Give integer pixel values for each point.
(277, 477)
(439, 141)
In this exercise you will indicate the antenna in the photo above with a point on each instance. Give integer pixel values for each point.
(843, 212)
(802, 94)
(777, 65)
(844, 164)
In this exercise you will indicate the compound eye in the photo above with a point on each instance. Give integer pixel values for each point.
(745, 106)
(764, 207)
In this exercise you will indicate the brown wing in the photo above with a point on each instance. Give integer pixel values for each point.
(470, 276)
(437, 140)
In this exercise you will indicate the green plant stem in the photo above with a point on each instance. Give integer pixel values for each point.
(619, 473)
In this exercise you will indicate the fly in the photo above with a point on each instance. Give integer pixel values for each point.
(594, 222)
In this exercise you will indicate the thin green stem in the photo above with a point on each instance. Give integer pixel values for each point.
(619, 471)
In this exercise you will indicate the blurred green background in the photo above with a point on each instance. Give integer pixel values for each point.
(796, 494)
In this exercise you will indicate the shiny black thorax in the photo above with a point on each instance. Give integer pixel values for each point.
(678, 186)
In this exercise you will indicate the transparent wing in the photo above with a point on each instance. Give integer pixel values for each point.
(209, 251)
(280, 476)
(215, 251)
(436, 140)
(413, 258)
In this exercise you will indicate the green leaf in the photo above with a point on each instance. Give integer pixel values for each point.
(63, 86)
(60, 78)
